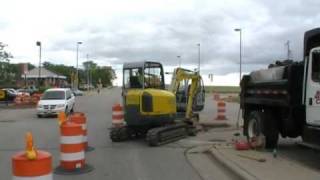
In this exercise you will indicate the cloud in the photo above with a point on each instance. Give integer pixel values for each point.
(114, 32)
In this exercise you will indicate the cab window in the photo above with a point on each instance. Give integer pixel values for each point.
(316, 66)
(133, 78)
(153, 77)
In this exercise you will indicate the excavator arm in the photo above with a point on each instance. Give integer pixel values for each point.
(181, 74)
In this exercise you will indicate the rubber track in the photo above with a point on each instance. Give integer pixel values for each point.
(166, 134)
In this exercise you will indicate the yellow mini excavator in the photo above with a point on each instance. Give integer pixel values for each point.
(150, 110)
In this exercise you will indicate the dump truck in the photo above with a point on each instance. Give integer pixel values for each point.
(284, 99)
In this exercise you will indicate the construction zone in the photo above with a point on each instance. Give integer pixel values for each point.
(165, 123)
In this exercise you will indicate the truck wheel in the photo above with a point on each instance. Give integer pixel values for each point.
(271, 130)
(254, 126)
(263, 124)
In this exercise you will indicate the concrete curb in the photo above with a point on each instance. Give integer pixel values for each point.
(237, 170)
(215, 125)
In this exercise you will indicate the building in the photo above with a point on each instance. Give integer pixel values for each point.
(47, 78)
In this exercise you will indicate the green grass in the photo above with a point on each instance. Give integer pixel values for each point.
(222, 89)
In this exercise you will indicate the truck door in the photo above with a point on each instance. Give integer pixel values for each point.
(312, 98)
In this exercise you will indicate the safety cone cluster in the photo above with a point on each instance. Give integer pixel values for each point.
(72, 155)
(80, 118)
(31, 164)
(117, 115)
(221, 110)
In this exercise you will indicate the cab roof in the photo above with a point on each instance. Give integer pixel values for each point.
(140, 64)
(57, 89)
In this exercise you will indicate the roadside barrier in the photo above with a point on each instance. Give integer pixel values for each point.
(117, 115)
(80, 118)
(31, 164)
(18, 100)
(26, 99)
(35, 98)
(221, 110)
(72, 156)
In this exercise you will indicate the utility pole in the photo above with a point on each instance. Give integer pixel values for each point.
(288, 49)
(198, 58)
(77, 73)
(179, 57)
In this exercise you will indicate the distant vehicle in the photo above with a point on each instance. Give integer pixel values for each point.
(77, 92)
(24, 91)
(11, 90)
(10, 94)
(54, 101)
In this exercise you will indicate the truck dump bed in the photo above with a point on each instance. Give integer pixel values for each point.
(285, 91)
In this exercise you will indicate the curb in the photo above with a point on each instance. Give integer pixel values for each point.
(237, 170)
(215, 125)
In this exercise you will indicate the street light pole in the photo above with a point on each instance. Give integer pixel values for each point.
(240, 71)
(39, 73)
(198, 58)
(88, 70)
(179, 57)
(77, 73)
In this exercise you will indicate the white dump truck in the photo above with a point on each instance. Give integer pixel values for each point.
(285, 98)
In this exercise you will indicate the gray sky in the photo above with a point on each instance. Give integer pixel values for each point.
(113, 32)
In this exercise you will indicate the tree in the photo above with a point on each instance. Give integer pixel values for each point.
(5, 74)
(95, 73)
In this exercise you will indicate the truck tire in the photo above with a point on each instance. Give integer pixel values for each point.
(271, 130)
(254, 125)
(263, 124)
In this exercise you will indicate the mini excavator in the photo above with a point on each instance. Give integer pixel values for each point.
(151, 111)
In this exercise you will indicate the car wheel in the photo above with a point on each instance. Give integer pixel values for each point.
(39, 115)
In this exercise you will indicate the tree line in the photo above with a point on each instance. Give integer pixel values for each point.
(10, 73)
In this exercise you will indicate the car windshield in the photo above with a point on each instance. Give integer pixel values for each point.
(53, 95)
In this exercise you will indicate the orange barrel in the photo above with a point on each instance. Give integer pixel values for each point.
(72, 150)
(221, 110)
(37, 169)
(26, 99)
(80, 118)
(18, 100)
(117, 115)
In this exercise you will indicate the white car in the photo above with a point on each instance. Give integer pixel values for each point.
(54, 101)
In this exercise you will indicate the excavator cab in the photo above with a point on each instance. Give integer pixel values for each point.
(142, 75)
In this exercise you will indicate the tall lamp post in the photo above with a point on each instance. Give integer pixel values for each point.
(240, 70)
(198, 57)
(179, 57)
(77, 73)
(39, 73)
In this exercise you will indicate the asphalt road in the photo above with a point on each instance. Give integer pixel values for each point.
(132, 160)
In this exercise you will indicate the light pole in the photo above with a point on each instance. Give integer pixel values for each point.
(198, 58)
(179, 57)
(88, 71)
(39, 73)
(240, 71)
(77, 73)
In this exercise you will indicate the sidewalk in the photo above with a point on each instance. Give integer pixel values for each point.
(283, 166)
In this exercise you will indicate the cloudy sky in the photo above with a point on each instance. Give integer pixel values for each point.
(117, 31)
